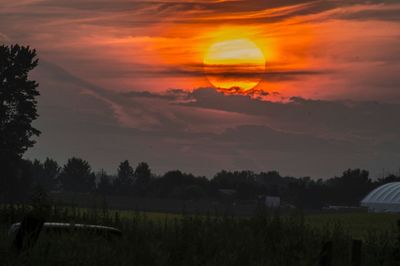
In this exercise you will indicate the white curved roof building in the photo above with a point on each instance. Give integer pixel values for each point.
(385, 198)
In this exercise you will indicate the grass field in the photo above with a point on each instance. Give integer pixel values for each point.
(174, 239)
(358, 224)
(355, 222)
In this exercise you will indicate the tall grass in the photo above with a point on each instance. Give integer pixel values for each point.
(190, 240)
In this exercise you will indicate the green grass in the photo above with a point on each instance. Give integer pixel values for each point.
(174, 239)
(358, 224)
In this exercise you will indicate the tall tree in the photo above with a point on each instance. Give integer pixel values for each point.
(45, 174)
(123, 182)
(37, 172)
(77, 176)
(17, 110)
(142, 178)
(104, 186)
(51, 172)
(243, 182)
(350, 188)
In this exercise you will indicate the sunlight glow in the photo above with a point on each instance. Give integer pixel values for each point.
(234, 63)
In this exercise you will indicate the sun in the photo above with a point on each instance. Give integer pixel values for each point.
(237, 63)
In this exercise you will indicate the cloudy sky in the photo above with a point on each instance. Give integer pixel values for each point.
(128, 79)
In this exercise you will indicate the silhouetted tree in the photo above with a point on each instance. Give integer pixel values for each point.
(37, 171)
(77, 176)
(192, 192)
(104, 186)
(272, 182)
(350, 188)
(176, 184)
(165, 185)
(46, 174)
(295, 191)
(142, 178)
(124, 181)
(17, 111)
(51, 172)
(387, 179)
(243, 182)
(20, 186)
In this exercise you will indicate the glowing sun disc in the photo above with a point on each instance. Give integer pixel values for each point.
(234, 63)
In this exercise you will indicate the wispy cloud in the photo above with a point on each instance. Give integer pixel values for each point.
(78, 117)
(107, 69)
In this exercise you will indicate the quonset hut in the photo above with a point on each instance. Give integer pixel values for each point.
(385, 198)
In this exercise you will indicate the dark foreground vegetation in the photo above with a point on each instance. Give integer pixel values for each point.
(265, 239)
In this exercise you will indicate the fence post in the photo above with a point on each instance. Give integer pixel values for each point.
(28, 232)
(325, 258)
(356, 253)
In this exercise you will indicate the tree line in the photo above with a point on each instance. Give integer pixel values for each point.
(303, 192)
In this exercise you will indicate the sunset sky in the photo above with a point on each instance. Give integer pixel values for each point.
(316, 84)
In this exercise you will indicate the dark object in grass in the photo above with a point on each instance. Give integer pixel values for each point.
(27, 232)
(105, 231)
(356, 252)
(326, 254)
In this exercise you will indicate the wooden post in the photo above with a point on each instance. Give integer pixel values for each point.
(28, 232)
(356, 253)
(325, 258)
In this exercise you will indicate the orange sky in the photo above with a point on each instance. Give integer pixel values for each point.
(313, 49)
(112, 69)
